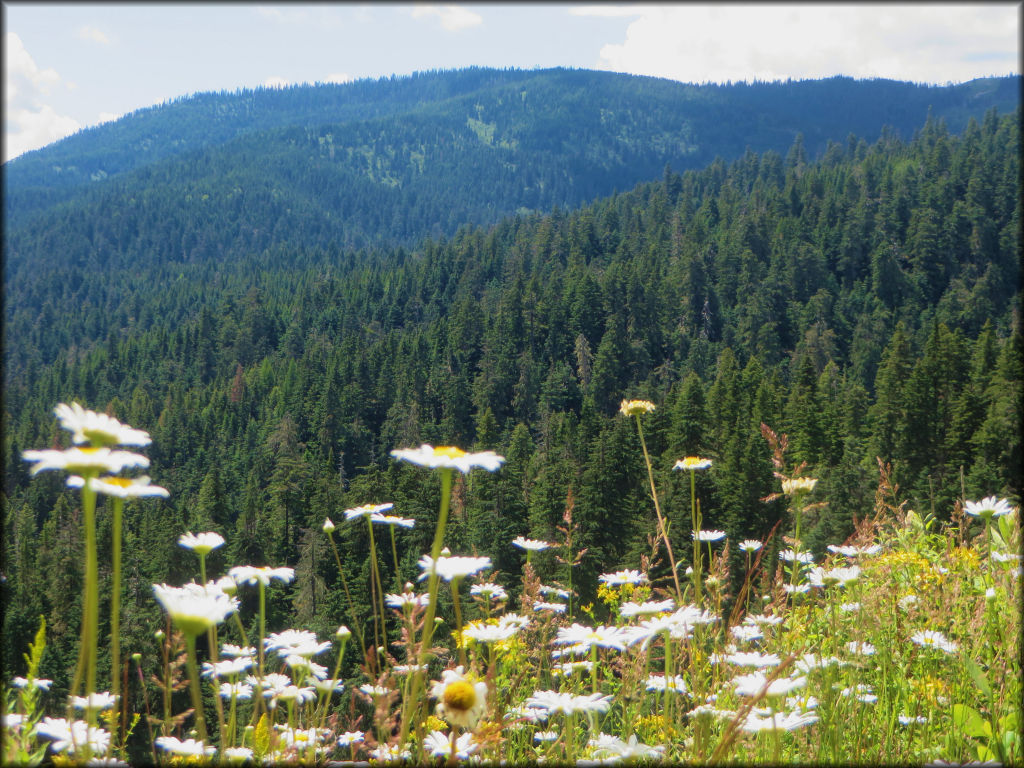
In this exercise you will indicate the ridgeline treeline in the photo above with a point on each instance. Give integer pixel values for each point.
(866, 303)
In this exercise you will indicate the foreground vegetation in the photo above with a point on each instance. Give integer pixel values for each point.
(900, 645)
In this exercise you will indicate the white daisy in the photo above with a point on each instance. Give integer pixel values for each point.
(203, 543)
(97, 429)
(453, 567)
(447, 457)
(460, 701)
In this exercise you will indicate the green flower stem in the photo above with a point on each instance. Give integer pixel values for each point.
(193, 682)
(657, 511)
(348, 596)
(669, 675)
(428, 619)
(325, 698)
(115, 611)
(695, 522)
(377, 592)
(91, 617)
(458, 622)
(593, 668)
(394, 557)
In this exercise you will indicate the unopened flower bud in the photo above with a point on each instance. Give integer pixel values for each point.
(159, 635)
(136, 657)
(328, 526)
(343, 632)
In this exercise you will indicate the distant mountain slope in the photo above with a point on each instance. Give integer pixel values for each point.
(561, 136)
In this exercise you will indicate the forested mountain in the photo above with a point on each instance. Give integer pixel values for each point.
(865, 302)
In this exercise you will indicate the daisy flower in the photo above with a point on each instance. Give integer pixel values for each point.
(746, 632)
(607, 747)
(489, 591)
(482, 632)
(619, 578)
(755, 682)
(97, 429)
(676, 683)
(297, 642)
(460, 701)
(95, 701)
(630, 609)
(348, 738)
(188, 748)
(988, 508)
(708, 535)
(554, 607)
(929, 638)
(73, 735)
(236, 650)
(250, 574)
(553, 592)
(366, 510)
(851, 551)
(750, 545)
(581, 638)
(407, 599)
(404, 522)
(120, 487)
(752, 659)
(84, 461)
(447, 457)
(202, 544)
(795, 485)
(453, 567)
(692, 463)
(534, 545)
(195, 608)
(819, 577)
(777, 721)
(241, 691)
(552, 702)
(788, 555)
(436, 744)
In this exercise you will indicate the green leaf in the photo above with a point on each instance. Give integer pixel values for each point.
(969, 721)
(979, 677)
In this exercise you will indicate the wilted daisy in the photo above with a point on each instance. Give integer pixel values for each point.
(533, 545)
(929, 638)
(195, 608)
(707, 536)
(613, 748)
(988, 508)
(447, 457)
(71, 736)
(120, 487)
(797, 485)
(750, 545)
(692, 463)
(460, 701)
(250, 574)
(489, 591)
(453, 567)
(97, 429)
(84, 461)
(189, 747)
(619, 578)
(636, 407)
(552, 702)
(676, 683)
(203, 544)
(366, 510)
(436, 744)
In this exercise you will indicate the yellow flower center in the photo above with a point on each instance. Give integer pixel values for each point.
(123, 482)
(459, 695)
(450, 452)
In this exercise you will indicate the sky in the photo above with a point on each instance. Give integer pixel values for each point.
(68, 66)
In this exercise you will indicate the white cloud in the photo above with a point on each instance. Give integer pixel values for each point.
(339, 77)
(609, 11)
(29, 122)
(452, 17)
(107, 117)
(276, 82)
(923, 43)
(89, 32)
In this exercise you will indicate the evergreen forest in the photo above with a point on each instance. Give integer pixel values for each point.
(860, 295)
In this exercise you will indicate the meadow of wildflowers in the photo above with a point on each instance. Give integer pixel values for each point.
(901, 645)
